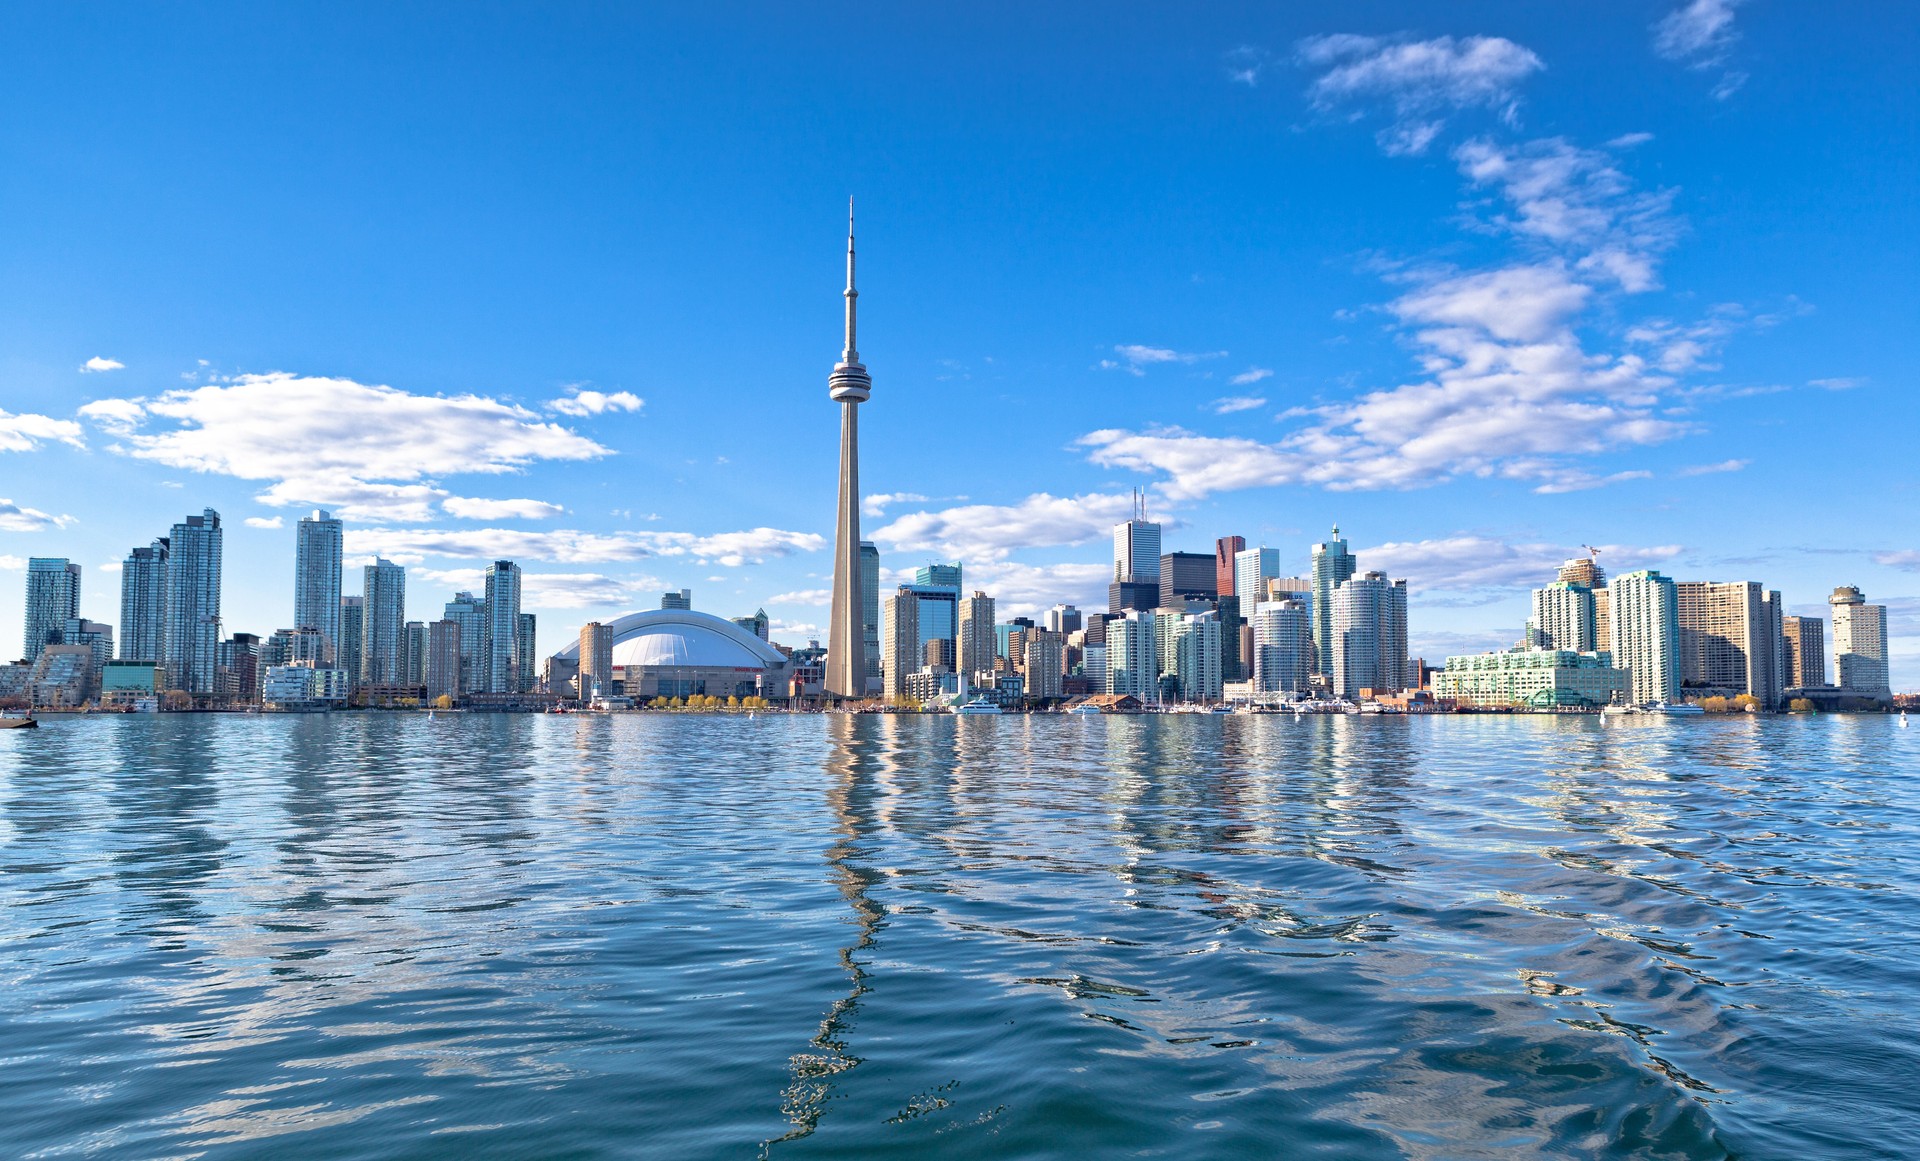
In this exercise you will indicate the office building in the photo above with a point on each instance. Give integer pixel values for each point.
(381, 646)
(1136, 549)
(677, 599)
(1224, 551)
(1859, 644)
(938, 576)
(1563, 617)
(1539, 678)
(1196, 657)
(1731, 641)
(444, 662)
(1646, 634)
(1062, 619)
(239, 668)
(469, 614)
(1332, 566)
(1185, 575)
(1133, 665)
(938, 655)
(870, 613)
(317, 569)
(1282, 647)
(1369, 635)
(757, 623)
(1252, 569)
(1806, 651)
(502, 647)
(143, 604)
(1141, 596)
(413, 653)
(526, 659)
(975, 640)
(849, 385)
(938, 618)
(53, 597)
(353, 628)
(1043, 655)
(1093, 666)
(901, 645)
(193, 604)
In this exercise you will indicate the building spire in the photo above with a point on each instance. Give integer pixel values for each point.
(852, 353)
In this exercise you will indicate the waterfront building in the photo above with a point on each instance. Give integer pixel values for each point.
(938, 618)
(1225, 550)
(1282, 647)
(1166, 627)
(97, 637)
(384, 584)
(143, 604)
(1062, 619)
(469, 613)
(1252, 569)
(240, 668)
(353, 628)
(1540, 678)
(1369, 634)
(901, 646)
(413, 653)
(444, 659)
(1731, 641)
(125, 684)
(61, 677)
(1563, 617)
(1044, 663)
(849, 385)
(976, 643)
(293, 647)
(306, 685)
(682, 653)
(526, 665)
(53, 597)
(1093, 666)
(758, 624)
(1859, 644)
(1646, 634)
(1132, 655)
(1187, 574)
(1196, 657)
(1806, 651)
(1602, 618)
(931, 686)
(677, 599)
(318, 564)
(501, 649)
(193, 603)
(938, 575)
(1333, 565)
(870, 612)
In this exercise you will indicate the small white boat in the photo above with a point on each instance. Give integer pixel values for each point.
(979, 705)
(1086, 709)
(1903, 719)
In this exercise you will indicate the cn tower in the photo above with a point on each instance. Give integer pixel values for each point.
(849, 386)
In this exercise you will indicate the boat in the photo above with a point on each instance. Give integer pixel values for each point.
(1087, 709)
(1903, 719)
(1221, 708)
(21, 723)
(979, 705)
(1654, 709)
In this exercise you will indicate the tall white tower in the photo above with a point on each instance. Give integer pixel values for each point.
(849, 386)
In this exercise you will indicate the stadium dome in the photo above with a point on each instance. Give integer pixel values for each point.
(675, 652)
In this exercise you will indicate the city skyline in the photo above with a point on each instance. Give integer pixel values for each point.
(1083, 325)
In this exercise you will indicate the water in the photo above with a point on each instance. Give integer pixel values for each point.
(378, 936)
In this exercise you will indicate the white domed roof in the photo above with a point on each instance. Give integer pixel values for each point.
(669, 637)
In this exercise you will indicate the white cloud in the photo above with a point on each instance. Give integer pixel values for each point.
(1843, 384)
(1027, 590)
(1245, 63)
(474, 508)
(356, 448)
(570, 546)
(1417, 79)
(1465, 563)
(98, 363)
(793, 632)
(12, 563)
(20, 433)
(802, 597)
(16, 518)
(978, 533)
(1700, 32)
(1711, 469)
(1251, 375)
(1233, 403)
(876, 505)
(578, 402)
(1137, 358)
(264, 522)
(110, 566)
(1195, 465)
(547, 590)
(1906, 560)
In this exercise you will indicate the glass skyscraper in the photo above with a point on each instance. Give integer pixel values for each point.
(192, 615)
(316, 581)
(502, 647)
(143, 604)
(382, 649)
(1333, 565)
(53, 599)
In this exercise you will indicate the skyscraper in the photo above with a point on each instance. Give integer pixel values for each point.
(353, 630)
(870, 611)
(900, 645)
(1224, 550)
(1062, 619)
(443, 659)
(1369, 635)
(596, 660)
(381, 647)
(1646, 634)
(943, 575)
(413, 653)
(193, 604)
(53, 598)
(1859, 643)
(1196, 656)
(502, 646)
(1133, 655)
(1332, 566)
(1563, 617)
(469, 614)
(143, 604)
(849, 385)
(976, 645)
(1252, 569)
(1583, 570)
(1184, 575)
(1731, 639)
(526, 658)
(1282, 647)
(1043, 661)
(1806, 651)
(1136, 548)
(317, 566)
(677, 599)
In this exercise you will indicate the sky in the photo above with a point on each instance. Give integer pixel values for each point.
(1482, 283)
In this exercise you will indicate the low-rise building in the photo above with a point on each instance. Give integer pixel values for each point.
(1540, 678)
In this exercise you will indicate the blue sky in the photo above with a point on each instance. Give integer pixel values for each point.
(1480, 282)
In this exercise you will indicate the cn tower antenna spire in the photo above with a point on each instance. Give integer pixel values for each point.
(852, 353)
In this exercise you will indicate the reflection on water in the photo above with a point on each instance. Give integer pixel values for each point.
(362, 936)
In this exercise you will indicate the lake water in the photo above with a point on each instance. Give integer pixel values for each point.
(367, 936)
